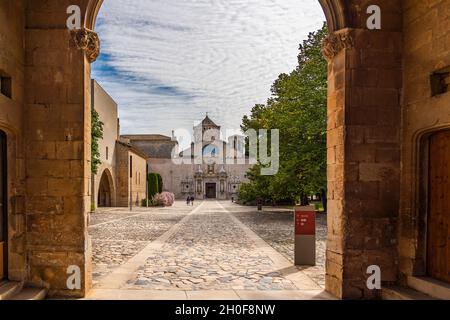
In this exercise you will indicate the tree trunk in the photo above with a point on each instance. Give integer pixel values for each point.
(304, 200)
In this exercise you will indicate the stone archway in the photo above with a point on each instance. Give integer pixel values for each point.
(365, 82)
(362, 184)
(106, 192)
(379, 101)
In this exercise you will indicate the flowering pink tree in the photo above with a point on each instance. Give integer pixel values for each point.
(165, 199)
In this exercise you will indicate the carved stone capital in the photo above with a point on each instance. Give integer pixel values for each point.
(336, 42)
(88, 41)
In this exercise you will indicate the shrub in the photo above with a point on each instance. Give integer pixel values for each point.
(160, 183)
(153, 188)
(165, 199)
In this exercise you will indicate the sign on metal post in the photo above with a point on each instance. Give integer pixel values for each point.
(305, 236)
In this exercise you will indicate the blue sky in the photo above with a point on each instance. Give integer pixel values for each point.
(168, 62)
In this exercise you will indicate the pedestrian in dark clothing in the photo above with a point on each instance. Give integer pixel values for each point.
(192, 200)
(188, 200)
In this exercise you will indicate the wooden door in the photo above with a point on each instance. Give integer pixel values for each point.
(211, 190)
(3, 208)
(438, 246)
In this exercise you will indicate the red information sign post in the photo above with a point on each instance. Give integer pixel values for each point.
(305, 236)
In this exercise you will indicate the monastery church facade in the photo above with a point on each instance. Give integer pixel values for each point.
(210, 169)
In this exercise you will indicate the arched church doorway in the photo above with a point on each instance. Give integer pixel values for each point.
(105, 191)
(3, 208)
(211, 190)
(438, 236)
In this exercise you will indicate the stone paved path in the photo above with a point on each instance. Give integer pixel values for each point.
(276, 227)
(200, 253)
(117, 234)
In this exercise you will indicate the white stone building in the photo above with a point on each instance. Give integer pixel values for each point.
(210, 168)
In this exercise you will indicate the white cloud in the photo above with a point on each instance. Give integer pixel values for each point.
(167, 62)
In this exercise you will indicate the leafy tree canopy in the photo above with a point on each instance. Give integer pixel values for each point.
(298, 108)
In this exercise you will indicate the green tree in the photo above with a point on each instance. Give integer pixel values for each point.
(160, 183)
(153, 188)
(298, 108)
(96, 134)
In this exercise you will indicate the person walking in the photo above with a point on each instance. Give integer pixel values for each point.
(188, 200)
(192, 200)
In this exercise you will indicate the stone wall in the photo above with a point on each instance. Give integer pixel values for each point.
(138, 180)
(174, 174)
(426, 50)
(107, 110)
(57, 138)
(363, 149)
(171, 174)
(123, 180)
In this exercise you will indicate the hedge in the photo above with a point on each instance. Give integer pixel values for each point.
(155, 184)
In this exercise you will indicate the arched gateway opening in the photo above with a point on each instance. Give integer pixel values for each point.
(365, 140)
(363, 143)
(105, 190)
(210, 188)
(386, 88)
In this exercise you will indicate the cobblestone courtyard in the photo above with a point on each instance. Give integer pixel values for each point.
(215, 249)
(118, 234)
(276, 227)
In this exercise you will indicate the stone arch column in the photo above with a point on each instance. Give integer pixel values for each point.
(364, 94)
(92, 10)
(57, 137)
(336, 13)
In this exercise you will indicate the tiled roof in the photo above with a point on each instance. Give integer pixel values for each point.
(208, 122)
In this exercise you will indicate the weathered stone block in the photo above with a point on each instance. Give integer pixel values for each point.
(361, 190)
(378, 172)
(69, 150)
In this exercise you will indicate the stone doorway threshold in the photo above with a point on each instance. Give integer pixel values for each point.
(120, 294)
(419, 288)
(429, 286)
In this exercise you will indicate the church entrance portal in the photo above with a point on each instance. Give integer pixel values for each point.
(211, 189)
